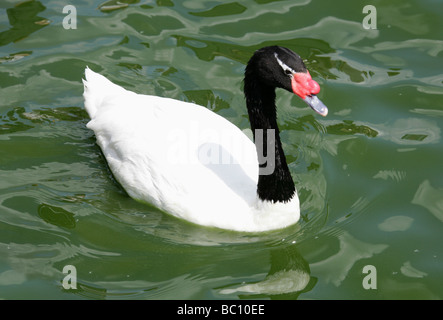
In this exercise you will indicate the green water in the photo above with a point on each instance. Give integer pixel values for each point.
(369, 175)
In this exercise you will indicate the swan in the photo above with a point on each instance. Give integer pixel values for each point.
(192, 163)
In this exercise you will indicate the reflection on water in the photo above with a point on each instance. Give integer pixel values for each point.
(430, 198)
(396, 223)
(24, 21)
(348, 127)
(112, 5)
(56, 216)
(350, 250)
(289, 274)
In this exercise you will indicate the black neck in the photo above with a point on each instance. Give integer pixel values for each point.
(260, 101)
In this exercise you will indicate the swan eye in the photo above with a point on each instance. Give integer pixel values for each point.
(288, 72)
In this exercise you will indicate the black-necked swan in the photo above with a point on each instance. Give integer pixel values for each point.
(194, 164)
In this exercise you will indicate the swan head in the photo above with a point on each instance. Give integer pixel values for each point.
(280, 67)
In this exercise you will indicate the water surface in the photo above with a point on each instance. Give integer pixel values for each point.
(368, 175)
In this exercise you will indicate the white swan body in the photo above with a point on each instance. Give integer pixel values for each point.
(164, 152)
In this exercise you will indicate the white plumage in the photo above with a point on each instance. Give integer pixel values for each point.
(182, 158)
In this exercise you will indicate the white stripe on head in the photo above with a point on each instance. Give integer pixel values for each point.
(283, 65)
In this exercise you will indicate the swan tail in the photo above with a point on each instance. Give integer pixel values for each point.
(96, 88)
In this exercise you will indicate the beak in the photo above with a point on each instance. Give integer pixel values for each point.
(306, 88)
(316, 105)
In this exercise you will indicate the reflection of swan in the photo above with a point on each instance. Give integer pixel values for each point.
(289, 274)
